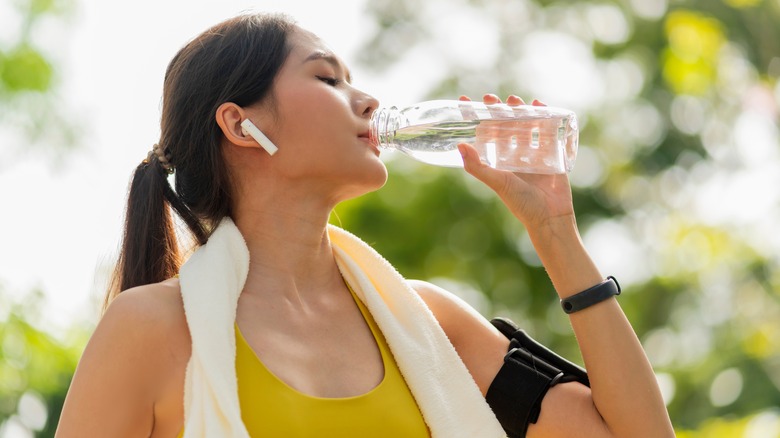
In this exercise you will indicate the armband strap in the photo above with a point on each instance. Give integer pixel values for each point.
(529, 370)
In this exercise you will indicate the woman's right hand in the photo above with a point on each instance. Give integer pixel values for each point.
(536, 200)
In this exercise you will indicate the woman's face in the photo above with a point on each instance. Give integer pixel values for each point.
(319, 122)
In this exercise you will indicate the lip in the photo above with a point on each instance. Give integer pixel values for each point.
(366, 137)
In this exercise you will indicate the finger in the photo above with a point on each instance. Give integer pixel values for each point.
(471, 161)
(491, 98)
(513, 100)
(495, 179)
(467, 110)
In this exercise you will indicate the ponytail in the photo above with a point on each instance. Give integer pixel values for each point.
(149, 250)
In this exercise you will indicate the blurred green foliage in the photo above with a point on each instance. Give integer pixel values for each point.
(25, 69)
(672, 188)
(23, 66)
(35, 367)
(31, 110)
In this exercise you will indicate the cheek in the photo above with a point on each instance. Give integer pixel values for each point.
(307, 117)
(321, 137)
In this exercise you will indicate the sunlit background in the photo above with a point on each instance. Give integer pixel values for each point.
(677, 183)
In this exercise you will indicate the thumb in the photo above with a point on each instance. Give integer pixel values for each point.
(495, 179)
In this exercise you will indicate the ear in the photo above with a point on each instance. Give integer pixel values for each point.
(229, 117)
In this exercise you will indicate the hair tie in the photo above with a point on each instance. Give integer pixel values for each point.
(163, 158)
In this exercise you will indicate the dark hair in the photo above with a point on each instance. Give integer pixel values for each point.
(234, 61)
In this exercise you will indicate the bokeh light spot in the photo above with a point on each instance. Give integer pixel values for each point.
(726, 387)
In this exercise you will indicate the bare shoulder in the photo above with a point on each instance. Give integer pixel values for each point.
(480, 345)
(151, 305)
(455, 316)
(143, 313)
(140, 345)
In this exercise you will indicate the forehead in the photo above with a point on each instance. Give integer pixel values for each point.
(307, 47)
(303, 43)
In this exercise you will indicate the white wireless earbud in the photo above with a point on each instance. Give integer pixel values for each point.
(249, 128)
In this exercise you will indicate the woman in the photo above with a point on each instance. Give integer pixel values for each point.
(318, 340)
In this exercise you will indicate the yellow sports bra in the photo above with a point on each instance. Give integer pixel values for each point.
(271, 408)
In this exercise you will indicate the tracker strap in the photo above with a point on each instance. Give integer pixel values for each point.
(594, 295)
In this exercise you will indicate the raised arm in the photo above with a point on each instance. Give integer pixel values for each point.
(624, 399)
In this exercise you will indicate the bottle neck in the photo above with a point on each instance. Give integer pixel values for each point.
(383, 125)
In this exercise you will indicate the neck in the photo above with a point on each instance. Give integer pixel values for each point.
(290, 253)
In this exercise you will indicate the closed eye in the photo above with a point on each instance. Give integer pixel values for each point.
(329, 80)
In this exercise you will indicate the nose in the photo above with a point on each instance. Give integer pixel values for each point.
(366, 104)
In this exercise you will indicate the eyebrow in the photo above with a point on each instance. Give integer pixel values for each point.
(330, 59)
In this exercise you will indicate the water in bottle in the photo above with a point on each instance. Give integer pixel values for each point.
(525, 138)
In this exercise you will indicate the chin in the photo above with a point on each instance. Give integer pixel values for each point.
(381, 177)
(378, 178)
(371, 181)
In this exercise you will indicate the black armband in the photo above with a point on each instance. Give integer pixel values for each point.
(529, 370)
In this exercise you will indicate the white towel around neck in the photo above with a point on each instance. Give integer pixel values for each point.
(211, 282)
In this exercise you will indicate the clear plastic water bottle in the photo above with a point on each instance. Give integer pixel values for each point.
(525, 138)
